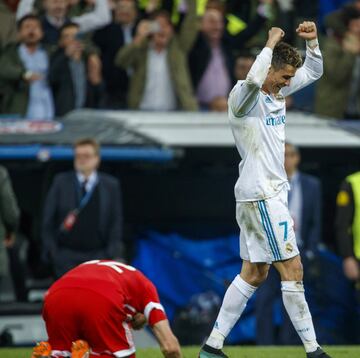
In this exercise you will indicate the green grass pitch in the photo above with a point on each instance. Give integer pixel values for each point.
(233, 352)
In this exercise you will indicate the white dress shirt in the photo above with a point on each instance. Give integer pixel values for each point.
(91, 180)
(90, 21)
(40, 104)
(159, 94)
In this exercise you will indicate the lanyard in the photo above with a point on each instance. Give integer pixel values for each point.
(85, 199)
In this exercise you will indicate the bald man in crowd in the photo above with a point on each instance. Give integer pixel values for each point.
(211, 60)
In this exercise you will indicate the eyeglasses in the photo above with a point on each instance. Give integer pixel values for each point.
(84, 156)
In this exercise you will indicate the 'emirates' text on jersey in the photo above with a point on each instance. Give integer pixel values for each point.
(258, 124)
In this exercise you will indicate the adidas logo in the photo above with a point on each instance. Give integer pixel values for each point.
(268, 99)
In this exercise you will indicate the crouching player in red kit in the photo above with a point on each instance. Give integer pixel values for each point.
(97, 304)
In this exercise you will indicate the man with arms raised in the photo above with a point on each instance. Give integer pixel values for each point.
(257, 118)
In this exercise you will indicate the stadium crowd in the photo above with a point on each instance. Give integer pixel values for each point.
(59, 55)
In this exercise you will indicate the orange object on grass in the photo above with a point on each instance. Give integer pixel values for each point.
(80, 349)
(41, 350)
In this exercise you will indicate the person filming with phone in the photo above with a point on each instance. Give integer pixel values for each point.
(158, 58)
(75, 73)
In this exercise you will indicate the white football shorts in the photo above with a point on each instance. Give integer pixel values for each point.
(266, 230)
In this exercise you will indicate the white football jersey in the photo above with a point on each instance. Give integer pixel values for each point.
(258, 124)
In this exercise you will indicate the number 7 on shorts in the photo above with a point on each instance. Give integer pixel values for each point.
(285, 224)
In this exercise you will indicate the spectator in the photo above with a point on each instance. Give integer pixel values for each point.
(75, 78)
(243, 64)
(334, 22)
(56, 16)
(327, 7)
(7, 23)
(211, 59)
(218, 104)
(82, 213)
(338, 92)
(305, 209)
(110, 40)
(9, 218)
(24, 68)
(158, 57)
(347, 227)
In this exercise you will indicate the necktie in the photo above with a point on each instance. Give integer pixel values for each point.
(83, 189)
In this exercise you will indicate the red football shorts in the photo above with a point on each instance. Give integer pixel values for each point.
(76, 313)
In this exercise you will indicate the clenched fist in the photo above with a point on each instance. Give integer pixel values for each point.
(307, 30)
(274, 36)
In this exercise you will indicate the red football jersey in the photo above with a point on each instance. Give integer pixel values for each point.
(122, 284)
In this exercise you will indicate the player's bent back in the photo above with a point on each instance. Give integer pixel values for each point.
(101, 302)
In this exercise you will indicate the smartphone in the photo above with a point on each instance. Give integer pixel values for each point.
(154, 27)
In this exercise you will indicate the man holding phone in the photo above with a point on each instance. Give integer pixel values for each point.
(75, 73)
(158, 57)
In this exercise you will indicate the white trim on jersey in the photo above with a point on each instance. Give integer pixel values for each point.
(128, 335)
(150, 306)
(56, 353)
(124, 352)
(130, 308)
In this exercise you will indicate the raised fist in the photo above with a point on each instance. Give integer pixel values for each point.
(274, 36)
(307, 30)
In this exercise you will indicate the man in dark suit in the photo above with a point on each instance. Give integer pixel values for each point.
(75, 73)
(305, 208)
(82, 216)
(109, 40)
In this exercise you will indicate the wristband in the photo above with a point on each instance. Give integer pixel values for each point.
(27, 75)
(313, 43)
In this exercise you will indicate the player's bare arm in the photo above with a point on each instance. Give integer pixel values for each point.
(168, 342)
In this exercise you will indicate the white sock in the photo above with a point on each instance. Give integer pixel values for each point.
(298, 311)
(234, 303)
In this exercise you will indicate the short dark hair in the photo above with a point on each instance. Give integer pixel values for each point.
(246, 53)
(28, 17)
(293, 146)
(284, 54)
(68, 25)
(349, 13)
(88, 141)
(161, 13)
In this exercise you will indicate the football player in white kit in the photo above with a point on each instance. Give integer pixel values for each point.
(257, 118)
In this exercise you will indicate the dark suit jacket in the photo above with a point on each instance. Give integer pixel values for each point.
(311, 211)
(51, 33)
(200, 54)
(109, 40)
(62, 86)
(63, 198)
